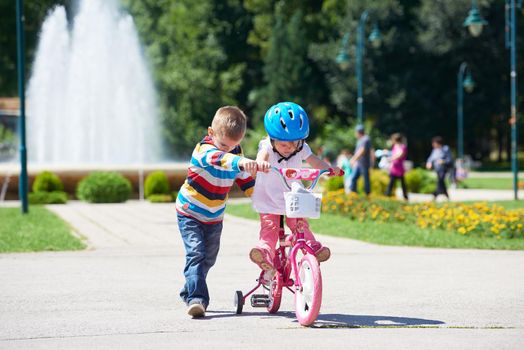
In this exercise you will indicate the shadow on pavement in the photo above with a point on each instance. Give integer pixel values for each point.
(337, 320)
(261, 314)
(355, 321)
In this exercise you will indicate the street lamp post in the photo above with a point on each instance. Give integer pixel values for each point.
(22, 183)
(462, 84)
(474, 20)
(342, 58)
(511, 43)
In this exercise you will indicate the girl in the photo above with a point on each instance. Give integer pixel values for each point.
(287, 125)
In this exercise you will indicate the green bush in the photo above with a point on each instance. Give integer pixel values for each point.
(334, 183)
(174, 194)
(104, 187)
(379, 182)
(419, 181)
(47, 182)
(160, 198)
(156, 183)
(55, 197)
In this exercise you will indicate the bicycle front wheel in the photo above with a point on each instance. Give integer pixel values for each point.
(309, 298)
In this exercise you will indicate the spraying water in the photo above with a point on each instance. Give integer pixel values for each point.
(90, 96)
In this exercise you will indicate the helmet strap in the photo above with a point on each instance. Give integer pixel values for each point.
(299, 148)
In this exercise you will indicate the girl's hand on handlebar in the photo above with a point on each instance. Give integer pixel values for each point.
(263, 166)
(336, 171)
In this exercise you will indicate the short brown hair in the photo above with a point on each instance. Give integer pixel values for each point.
(229, 121)
(397, 137)
(438, 140)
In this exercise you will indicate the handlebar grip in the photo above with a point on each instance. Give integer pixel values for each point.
(331, 172)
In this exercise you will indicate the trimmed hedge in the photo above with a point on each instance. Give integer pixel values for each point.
(104, 187)
(47, 182)
(379, 182)
(417, 181)
(55, 197)
(156, 183)
(160, 198)
(420, 181)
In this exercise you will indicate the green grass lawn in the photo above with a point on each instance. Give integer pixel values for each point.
(401, 234)
(488, 183)
(39, 230)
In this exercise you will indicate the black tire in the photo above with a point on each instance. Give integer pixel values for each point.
(239, 302)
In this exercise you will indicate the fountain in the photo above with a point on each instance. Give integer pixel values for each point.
(90, 97)
(91, 103)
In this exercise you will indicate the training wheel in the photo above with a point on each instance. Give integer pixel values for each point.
(239, 301)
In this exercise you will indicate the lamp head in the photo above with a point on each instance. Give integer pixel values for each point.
(474, 21)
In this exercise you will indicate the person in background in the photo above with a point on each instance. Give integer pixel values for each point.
(399, 153)
(440, 160)
(361, 160)
(343, 162)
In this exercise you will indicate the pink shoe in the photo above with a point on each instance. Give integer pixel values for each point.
(261, 257)
(321, 253)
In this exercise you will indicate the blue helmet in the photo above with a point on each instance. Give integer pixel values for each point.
(286, 121)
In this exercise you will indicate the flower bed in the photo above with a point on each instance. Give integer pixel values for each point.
(480, 219)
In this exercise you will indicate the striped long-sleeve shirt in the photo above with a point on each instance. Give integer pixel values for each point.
(210, 176)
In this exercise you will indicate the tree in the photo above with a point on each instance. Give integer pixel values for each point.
(185, 45)
(34, 14)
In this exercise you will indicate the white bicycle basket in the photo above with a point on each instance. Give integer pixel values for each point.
(301, 203)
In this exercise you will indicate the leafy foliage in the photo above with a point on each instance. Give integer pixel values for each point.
(254, 53)
(54, 197)
(160, 198)
(156, 184)
(47, 182)
(104, 187)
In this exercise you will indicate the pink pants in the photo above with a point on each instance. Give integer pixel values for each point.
(269, 227)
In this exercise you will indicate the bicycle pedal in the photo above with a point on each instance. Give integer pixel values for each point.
(259, 300)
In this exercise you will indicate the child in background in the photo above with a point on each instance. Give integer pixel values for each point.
(343, 162)
(216, 163)
(399, 153)
(287, 125)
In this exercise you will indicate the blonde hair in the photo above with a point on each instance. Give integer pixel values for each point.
(229, 121)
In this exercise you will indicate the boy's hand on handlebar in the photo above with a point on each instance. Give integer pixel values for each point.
(248, 165)
(263, 166)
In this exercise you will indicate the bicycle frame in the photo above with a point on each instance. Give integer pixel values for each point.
(282, 260)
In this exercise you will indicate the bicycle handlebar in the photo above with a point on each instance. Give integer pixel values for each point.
(303, 174)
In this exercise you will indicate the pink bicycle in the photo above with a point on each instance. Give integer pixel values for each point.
(296, 267)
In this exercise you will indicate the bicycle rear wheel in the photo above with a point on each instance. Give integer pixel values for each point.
(275, 293)
(309, 299)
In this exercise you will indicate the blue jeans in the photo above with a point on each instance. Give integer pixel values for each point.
(202, 243)
(354, 178)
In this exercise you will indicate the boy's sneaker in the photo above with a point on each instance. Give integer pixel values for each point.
(261, 258)
(196, 310)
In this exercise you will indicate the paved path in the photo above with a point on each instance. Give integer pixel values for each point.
(121, 293)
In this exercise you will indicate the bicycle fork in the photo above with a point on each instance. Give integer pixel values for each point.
(300, 245)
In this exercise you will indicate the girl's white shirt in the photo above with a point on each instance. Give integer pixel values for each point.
(268, 196)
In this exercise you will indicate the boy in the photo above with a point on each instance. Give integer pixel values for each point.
(216, 163)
